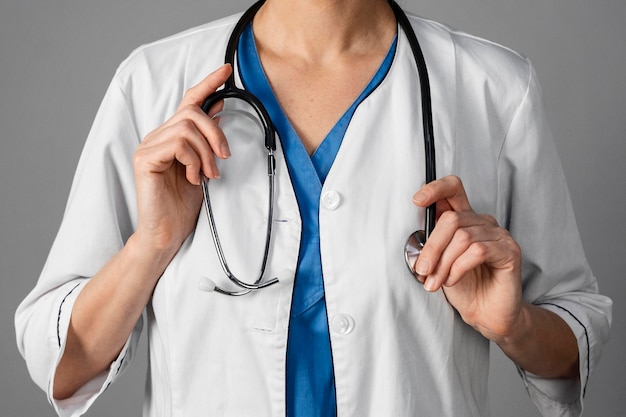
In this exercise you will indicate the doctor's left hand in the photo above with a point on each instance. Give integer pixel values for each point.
(474, 260)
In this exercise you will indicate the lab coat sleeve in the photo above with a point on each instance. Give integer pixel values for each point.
(556, 275)
(98, 219)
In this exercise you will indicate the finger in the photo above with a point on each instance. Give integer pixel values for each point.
(209, 128)
(441, 207)
(440, 238)
(449, 188)
(498, 253)
(216, 108)
(188, 119)
(158, 159)
(187, 131)
(206, 146)
(444, 272)
(198, 93)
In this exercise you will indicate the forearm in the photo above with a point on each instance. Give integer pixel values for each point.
(542, 343)
(105, 314)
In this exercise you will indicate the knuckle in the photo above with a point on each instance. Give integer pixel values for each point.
(464, 236)
(505, 236)
(180, 146)
(479, 250)
(148, 137)
(188, 110)
(456, 180)
(489, 219)
(185, 128)
(190, 93)
(450, 218)
(515, 248)
(138, 158)
(142, 162)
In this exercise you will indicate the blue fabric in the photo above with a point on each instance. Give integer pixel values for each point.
(310, 379)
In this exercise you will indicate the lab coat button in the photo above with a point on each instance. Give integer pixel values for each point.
(343, 323)
(331, 200)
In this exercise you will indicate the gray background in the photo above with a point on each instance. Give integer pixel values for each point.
(57, 57)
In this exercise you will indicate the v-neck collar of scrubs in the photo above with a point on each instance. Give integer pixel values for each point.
(310, 377)
(255, 80)
(308, 173)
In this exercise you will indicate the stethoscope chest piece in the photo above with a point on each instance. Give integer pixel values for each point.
(413, 248)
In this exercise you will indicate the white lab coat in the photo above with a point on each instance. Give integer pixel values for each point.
(397, 350)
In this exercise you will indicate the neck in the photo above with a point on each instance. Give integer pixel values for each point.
(319, 29)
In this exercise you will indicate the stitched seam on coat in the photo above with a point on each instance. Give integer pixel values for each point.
(586, 339)
(59, 315)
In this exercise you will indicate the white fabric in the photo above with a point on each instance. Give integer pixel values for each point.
(408, 352)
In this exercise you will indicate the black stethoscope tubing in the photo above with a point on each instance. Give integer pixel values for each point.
(427, 112)
(230, 90)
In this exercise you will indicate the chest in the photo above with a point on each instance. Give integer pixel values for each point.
(314, 97)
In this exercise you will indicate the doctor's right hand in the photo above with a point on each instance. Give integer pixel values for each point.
(169, 164)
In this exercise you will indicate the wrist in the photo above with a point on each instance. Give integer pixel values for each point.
(542, 343)
(145, 252)
(521, 330)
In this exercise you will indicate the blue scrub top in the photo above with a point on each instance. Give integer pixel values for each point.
(310, 379)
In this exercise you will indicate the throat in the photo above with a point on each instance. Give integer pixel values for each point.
(320, 67)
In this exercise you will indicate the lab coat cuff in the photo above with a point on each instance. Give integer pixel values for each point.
(562, 397)
(80, 402)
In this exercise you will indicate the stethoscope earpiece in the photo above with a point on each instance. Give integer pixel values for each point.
(206, 285)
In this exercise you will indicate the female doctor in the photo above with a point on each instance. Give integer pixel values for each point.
(347, 330)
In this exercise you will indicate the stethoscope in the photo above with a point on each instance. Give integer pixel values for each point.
(416, 240)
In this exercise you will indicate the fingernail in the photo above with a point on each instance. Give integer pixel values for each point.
(429, 285)
(221, 68)
(420, 197)
(422, 267)
(214, 174)
(225, 150)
